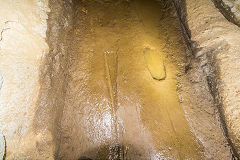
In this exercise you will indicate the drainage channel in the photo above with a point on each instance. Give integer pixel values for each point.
(121, 99)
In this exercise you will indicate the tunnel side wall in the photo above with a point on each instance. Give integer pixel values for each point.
(33, 70)
(214, 42)
(23, 26)
(53, 77)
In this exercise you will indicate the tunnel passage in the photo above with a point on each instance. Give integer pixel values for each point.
(111, 98)
(107, 103)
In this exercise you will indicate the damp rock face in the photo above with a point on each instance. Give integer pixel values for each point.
(155, 64)
(216, 46)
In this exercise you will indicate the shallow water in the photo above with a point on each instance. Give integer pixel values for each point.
(114, 108)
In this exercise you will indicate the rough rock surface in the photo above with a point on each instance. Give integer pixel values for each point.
(22, 45)
(53, 78)
(215, 43)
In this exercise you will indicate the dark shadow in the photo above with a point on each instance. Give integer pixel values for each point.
(117, 152)
(84, 158)
(113, 152)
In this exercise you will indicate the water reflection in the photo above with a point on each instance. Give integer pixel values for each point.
(114, 108)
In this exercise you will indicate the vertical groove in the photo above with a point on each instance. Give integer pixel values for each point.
(112, 89)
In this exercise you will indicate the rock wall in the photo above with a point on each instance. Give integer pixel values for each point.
(214, 42)
(53, 74)
(33, 63)
(23, 28)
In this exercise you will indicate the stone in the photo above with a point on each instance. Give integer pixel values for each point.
(155, 64)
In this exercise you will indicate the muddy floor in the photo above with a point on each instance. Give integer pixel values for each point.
(114, 107)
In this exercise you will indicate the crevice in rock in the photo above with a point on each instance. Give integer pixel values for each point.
(226, 12)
